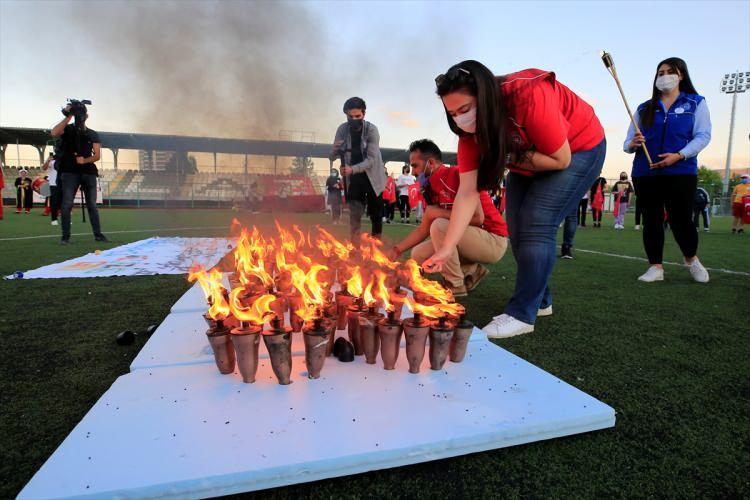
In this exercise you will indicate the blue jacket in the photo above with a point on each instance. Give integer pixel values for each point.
(684, 128)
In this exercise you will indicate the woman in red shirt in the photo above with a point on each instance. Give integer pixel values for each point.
(554, 146)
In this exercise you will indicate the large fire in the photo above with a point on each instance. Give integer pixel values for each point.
(306, 265)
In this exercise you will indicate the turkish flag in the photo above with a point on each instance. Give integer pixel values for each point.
(415, 195)
(598, 201)
(389, 194)
(617, 204)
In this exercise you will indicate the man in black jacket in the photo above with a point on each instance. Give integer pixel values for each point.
(79, 150)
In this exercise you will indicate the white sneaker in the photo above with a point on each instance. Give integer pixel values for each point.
(697, 271)
(505, 326)
(637, 227)
(54, 223)
(547, 311)
(705, 229)
(653, 274)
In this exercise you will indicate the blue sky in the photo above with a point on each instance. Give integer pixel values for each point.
(386, 52)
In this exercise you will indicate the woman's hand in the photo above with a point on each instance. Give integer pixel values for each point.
(637, 142)
(669, 159)
(435, 263)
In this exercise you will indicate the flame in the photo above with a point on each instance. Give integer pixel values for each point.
(428, 287)
(370, 248)
(249, 257)
(435, 311)
(354, 284)
(198, 272)
(341, 250)
(213, 289)
(300, 236)
(255, 314)
(367, 296)
(382, 291)
(288, 243)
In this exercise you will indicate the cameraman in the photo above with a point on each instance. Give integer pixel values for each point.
(80, 148)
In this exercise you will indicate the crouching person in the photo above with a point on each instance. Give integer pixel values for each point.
(483, 242)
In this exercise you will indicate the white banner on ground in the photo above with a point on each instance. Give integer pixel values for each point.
(145, 257)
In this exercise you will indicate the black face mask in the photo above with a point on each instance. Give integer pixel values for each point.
(623, 178)
(355, 124)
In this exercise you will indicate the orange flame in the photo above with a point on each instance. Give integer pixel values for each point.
(213, 289)
(428, 287)
(370, 248)
(434, 311)
(354, 284)
(367, 296)
(382, 291)
(255, 314)
(341, 250)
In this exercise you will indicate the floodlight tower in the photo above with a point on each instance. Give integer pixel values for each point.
(733, 83)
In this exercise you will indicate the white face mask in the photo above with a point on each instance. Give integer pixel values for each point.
(467, 121)
(665, 83)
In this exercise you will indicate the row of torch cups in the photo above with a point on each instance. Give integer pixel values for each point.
(236, 343)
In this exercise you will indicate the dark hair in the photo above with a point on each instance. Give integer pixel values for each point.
(355, 103)
(686, 85)
(405, 169)
(426, 148)
(476, 79)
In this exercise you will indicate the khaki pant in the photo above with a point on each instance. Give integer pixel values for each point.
(475, 247)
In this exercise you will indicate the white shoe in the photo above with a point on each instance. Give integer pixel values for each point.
(547, 311)
(705, 229)
(505, 326)
(653, 274)
(697, 271)
(637, 227)
(54, 223)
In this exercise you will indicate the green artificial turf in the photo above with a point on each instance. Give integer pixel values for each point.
(671, 358)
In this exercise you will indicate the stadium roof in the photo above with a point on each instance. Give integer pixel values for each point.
(117, 140)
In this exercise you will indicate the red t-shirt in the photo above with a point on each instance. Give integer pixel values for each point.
(443, 185)
(542, 113)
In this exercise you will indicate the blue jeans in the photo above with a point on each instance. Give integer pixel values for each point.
(535, 207)
(69, 183)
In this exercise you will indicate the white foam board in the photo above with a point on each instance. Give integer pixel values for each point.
(189, 432)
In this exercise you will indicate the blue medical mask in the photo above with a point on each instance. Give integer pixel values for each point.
(423, 180)
(745, 180)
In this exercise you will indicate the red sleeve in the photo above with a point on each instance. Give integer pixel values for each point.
(468, 154)
(545, 125)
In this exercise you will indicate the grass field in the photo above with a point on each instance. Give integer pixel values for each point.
(672, 358)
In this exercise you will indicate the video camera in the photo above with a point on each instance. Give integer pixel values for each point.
(78, 110)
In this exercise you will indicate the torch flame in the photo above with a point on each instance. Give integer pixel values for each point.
(370, 248)
(255, 314)
(436, 311)
(341, 250)
(382, 291)
(428, 287)
(354, 284)
(367, 296)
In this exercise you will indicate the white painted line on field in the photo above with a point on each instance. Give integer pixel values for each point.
(118, 232)
(641, 259)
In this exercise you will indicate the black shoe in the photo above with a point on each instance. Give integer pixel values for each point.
(734, 231)
(101, 237)
(740, 231)
(566, 252)
(65, 241)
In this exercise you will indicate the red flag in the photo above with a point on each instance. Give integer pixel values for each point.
(389, 194)
(598, 201)
(746, 212)
(617, 204)
(415, 196)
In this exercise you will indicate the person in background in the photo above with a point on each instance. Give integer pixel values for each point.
(55, 196)
(333, 191)
(483, 242)
(24, 193)
(701, 202)
(389, 198)
(675, 126)
(583, 207)
(596, 197)
(622, 191)
(2, 185)
(359, 141)
(739, 192)
(402, 184)
(553, 144)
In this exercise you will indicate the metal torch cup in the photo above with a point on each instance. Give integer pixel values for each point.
(368, 335)
(343, 300)
(330, 313)
(441, 334)
(278, 340)
(389, 330)
(246, 339)
(316, 335)
(416, 330)
(460, 340)
(353, 313)
(218, 337)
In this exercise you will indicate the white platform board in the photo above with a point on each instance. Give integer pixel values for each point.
(187, 431)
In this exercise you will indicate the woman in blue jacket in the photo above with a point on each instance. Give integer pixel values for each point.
(675, 126)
